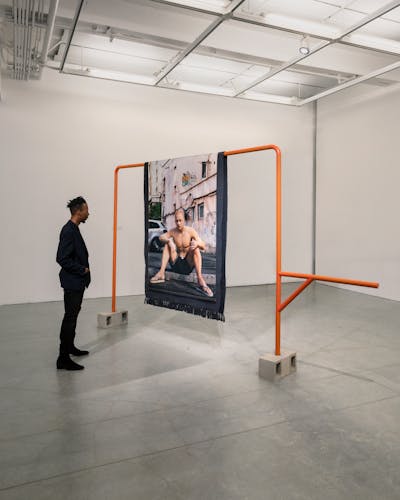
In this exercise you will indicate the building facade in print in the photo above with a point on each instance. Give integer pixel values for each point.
(188, 183)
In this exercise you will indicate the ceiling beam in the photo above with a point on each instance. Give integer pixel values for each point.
(186, 50)
(285, 29)
(190, 48)
(282, 67)
(351, 83)
(189, 7)
(71, 33)
(287, 101)
(366, 20)
(312, 34)
(204, 50)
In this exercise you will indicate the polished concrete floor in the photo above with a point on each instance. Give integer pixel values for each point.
(170, 407)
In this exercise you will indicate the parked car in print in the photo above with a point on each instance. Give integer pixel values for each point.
(156, 229)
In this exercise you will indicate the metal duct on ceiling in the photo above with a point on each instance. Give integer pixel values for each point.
(32, 28)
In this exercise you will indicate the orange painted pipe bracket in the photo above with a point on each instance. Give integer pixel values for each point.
(252, 150)
(279, 274)
(278, 233)
(295, 294)
(278, 228)
(115, 221)
(316, 277)
(345, 281)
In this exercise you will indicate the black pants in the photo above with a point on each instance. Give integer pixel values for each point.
(72, 306)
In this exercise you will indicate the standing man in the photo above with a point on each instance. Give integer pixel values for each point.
(182, 252)
(73, 257)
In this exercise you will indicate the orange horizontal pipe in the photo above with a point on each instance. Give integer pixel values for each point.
(295, 294)
(114, 264)
(370, 284)
(132, 165)
(252, 150)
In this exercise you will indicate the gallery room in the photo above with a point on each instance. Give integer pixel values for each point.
(200, 260)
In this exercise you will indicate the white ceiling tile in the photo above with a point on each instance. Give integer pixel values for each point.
(368, 6)
(257, 41)
(147, 17)
(90, 58)
(340, 57)
(388, 28)
(138, 38)
(302, 9)
(122, 46)
(393, 15)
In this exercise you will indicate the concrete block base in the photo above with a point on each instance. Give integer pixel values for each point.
(107, 320)
(273, 367)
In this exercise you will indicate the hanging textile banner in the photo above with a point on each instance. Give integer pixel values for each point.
(185, 233)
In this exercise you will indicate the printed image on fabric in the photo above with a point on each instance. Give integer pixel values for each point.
(185, 219)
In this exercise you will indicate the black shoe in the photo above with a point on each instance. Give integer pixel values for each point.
(77, 352)
(68, 364)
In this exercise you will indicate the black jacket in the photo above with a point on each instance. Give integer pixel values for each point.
(73, 257)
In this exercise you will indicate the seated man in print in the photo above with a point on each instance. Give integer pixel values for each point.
(182, 251)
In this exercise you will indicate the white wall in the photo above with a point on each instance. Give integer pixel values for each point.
(358, 179)
(61, 137)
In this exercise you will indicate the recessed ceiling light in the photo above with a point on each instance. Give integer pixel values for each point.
(304, 48)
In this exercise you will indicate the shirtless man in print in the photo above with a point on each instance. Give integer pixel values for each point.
(182, 251)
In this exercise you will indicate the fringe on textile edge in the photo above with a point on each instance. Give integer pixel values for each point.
(199, 311)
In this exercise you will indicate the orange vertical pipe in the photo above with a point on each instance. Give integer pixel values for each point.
(278, 233)
(278, 251)
(114, 261)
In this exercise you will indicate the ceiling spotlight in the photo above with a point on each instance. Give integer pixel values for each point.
(304, 48)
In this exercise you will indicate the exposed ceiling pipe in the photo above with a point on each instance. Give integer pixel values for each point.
(36, 36)
(17, 40)
(51, 19)
(23, 30)
(53, 47)
(38, 33)
(21, 21)
(25, 55)
(15, 37)
(31, 15)
(21, 39)
(29, 25)
(1, 90)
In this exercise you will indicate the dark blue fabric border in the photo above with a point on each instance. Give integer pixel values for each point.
(209, 308)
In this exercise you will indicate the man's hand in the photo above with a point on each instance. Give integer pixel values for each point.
(87, 270)
(193, 245)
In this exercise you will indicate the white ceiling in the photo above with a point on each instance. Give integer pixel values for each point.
(246, 49)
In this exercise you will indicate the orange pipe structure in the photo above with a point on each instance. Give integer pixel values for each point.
(297, 292)
(371, 284)
(278, 216)
(114, 263)
(316, 277)
(279, 273)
